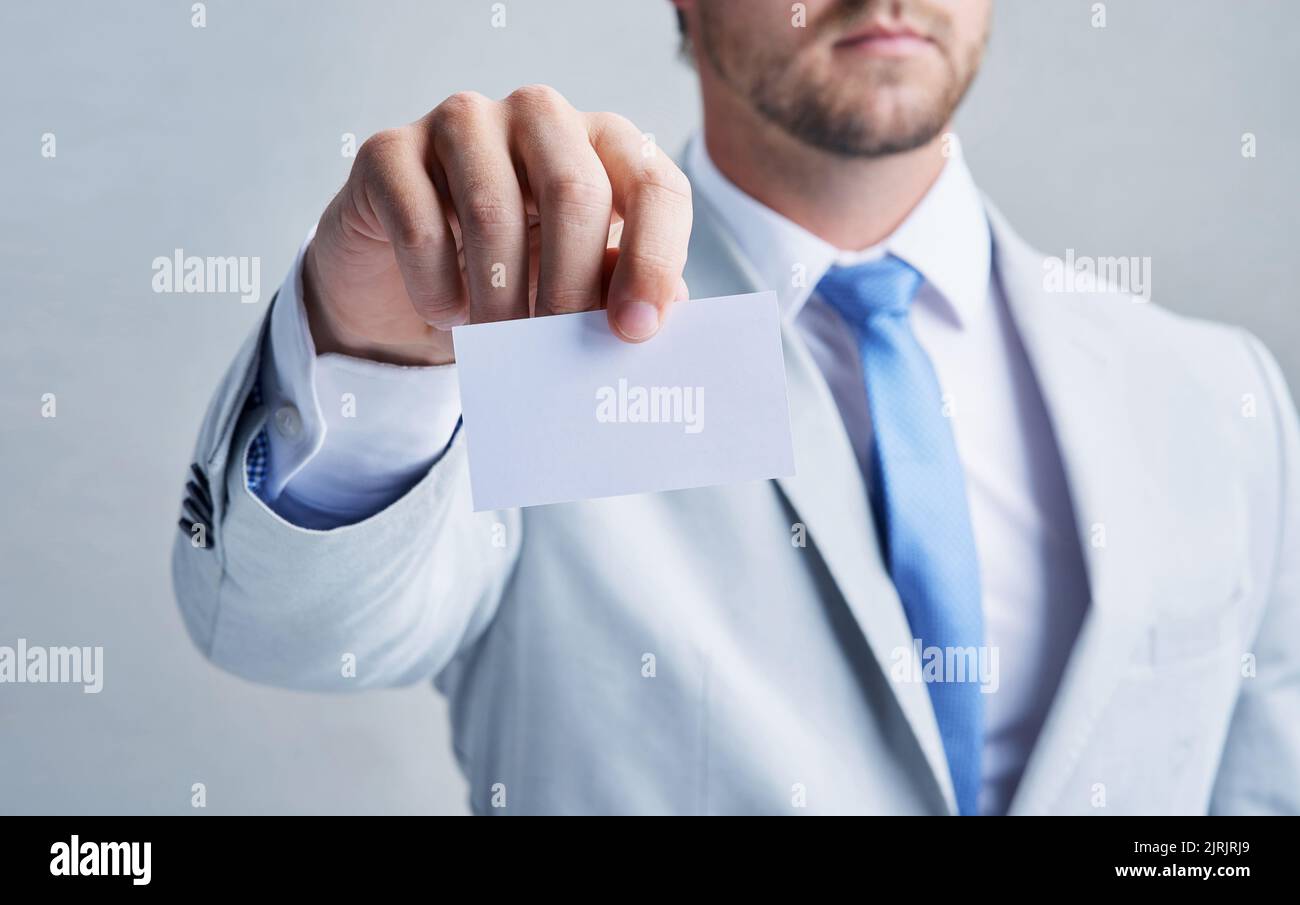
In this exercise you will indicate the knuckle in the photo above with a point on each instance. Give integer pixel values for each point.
(380, 147)
(663, 184)
(415, 234)
(652, 263)
(619, 120)
(438, 300)
(569, 301)
(488, 217)
(538, 99)
(460, 109)
(614, 123)
(577, 191)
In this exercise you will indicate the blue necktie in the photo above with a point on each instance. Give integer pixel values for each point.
(918, 496)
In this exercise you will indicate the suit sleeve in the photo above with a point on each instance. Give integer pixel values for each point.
(1260, 769)
(388, 600)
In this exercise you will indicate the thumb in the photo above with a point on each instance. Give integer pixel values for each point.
(681, 294)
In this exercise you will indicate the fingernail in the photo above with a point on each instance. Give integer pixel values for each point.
(638, 320)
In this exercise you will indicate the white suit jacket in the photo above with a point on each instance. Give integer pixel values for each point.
(681, 653)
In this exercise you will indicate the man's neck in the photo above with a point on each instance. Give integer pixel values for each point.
(850, 202)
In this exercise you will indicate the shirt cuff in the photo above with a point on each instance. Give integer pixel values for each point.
(346, 436)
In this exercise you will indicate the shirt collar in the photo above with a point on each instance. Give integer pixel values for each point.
(945, 237)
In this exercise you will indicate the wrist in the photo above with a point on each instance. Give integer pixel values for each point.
(329, 335)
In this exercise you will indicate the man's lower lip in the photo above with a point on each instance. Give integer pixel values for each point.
(885, 46)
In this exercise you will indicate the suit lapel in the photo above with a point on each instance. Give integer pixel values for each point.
(1087, 401)
(827, 492)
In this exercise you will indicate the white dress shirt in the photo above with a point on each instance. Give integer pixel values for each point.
(332, 465)
(385, 423)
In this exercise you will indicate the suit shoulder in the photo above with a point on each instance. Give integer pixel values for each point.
(1219, 380)
(1195, 351)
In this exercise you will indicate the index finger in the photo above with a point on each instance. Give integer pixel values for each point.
(654, 199)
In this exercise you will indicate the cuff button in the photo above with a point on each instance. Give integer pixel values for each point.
(288, 423)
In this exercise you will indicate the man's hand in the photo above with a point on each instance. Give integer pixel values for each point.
(489, 210)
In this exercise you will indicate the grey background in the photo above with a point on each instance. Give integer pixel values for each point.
(226, 141)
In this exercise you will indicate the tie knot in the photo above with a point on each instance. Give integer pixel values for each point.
(864, 291)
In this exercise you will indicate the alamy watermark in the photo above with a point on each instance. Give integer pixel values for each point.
(103, 859)
(37, 665)
(923, 664)
(193, 274)
(1081, 273)
(626, 404)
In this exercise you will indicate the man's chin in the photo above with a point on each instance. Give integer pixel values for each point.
(882, 107)
(890, 109)
(867, 131)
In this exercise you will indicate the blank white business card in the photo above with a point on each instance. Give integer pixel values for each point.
(559, 409)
